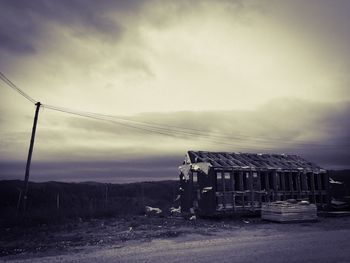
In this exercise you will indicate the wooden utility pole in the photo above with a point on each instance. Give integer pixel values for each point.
(58, 201)
(31, 146)
(19, 200)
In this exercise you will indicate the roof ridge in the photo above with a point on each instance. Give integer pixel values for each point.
(254, 160)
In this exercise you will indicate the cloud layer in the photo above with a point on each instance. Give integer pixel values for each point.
(256, 76)
(115, 152)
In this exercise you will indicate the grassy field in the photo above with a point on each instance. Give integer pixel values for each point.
(55, 201)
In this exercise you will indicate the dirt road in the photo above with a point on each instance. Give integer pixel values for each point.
(325, 241)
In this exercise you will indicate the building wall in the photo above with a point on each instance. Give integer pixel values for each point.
(243, 191)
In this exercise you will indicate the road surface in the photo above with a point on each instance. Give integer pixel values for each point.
(272, 244)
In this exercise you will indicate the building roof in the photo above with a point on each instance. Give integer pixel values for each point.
(251, 161)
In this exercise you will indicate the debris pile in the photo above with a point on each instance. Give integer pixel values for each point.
(289, 211)
(153, 211)
(175, 211)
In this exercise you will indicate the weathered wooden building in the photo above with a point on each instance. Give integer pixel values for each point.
(223, 183)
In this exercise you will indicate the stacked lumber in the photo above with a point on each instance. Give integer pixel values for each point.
(289, 211)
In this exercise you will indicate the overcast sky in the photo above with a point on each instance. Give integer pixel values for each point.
(253, 76)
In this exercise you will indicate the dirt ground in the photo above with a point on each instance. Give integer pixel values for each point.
(131, 236)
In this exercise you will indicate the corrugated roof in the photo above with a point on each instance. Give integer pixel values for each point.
(252, 160)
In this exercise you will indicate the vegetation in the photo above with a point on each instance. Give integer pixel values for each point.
(55, 201)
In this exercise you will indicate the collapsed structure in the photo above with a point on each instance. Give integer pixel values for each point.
(223, 183)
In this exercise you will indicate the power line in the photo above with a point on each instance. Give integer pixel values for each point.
(175, 131)
(152, 130)
(191, 131)
(179, 132)
(91, 116)
(13, 86)
(166, 130)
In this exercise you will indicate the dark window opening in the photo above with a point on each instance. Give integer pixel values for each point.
(237, 181)
(281, 181)
(309, 181)
(246, 181)
(323, 181)
(219, 182)
(228, 182)
(303, 181)
(228, 200)
(295, 181)
(287, 181)
(271, 180)
(263, 181)
(317, 181)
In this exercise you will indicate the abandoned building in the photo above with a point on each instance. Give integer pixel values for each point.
(225, 183)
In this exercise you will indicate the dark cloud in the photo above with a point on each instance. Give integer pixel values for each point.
(14, 44)
(23, 23)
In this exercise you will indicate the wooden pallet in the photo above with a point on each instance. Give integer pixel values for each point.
(284, 211)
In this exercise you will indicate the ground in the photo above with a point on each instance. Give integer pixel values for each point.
(144, 239)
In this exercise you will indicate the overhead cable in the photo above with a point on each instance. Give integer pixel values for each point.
(13, 86)
(179, 132)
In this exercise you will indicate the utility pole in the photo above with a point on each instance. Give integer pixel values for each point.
(31, 146)
(106, 195)
(58, 201)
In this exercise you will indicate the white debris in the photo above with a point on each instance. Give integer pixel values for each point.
(331, 181)
(174, 210)
(195, 167)
(207, 189)
(220, 207)
(202, 166)
(150, 209)
(193, 218)
(185, 170)
(177, 198)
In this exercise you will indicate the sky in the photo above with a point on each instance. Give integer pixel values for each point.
(239, 76)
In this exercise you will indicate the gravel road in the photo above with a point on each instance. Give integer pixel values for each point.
(326, 241)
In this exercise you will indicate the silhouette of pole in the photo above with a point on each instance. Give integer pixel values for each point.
(31, 146)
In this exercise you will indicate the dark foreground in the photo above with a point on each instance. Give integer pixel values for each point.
(177, 240)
